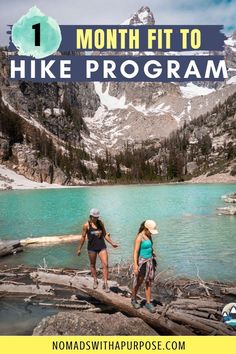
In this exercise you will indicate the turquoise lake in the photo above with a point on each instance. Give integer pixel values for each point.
(192, 236)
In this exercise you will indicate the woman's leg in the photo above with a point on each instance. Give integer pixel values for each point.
(92, 259)
(103, 255)
(149, 306)
(137, 286)
(148, 292)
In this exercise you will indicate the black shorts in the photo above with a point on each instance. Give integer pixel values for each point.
(143, 268)
(97, 251)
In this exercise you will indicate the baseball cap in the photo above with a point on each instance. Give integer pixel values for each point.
(95, 213)
(151, 226)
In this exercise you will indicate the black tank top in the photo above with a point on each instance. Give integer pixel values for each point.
(96, 240)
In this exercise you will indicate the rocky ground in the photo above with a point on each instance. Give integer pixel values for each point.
(217, 178)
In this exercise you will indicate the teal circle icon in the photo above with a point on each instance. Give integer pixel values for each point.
(36, 35)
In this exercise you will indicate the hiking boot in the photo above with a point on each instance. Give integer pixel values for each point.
(106, 288)
(150, 308)
(135, 304)
(95, 284)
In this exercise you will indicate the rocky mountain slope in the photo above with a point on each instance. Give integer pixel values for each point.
(205, 146)
(134, 112)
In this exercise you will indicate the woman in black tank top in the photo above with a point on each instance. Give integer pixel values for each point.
(96, 234)
(96, 242)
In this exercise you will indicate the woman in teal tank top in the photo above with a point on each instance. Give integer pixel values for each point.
(144, 263)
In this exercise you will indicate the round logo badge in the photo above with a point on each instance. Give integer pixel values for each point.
(229, 314)
(36, 35)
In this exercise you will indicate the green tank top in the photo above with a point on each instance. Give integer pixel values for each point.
(145, 250)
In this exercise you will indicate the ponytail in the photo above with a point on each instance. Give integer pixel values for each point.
(141, 227)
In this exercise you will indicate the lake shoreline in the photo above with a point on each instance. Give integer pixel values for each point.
(10, 180)
(46, 186)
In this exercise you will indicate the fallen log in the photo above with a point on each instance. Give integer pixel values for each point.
(10, 275)
(218, 325)
(49, 240)
(67, 306)
(231, 291)
(210, 311)
(73, 281)
(26, 289)
(157, 321)
(10, 247)
(95, 309)
(15, 268)
(201, 314)
(193, 307)
(10, 282)
(195, 304)
(189, 320)
(206, 326)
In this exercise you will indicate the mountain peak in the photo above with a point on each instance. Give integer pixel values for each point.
(143, 16)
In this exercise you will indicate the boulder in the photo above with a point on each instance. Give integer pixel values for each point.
(86, 323)
(227, 210)
(231, 198)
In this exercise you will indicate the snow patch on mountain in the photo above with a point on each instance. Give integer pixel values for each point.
(126, 22)
(112, 103)
(230, 42)
(143, 16)
(107, 100)
(232, 80)
(160, 109)
(192, 90)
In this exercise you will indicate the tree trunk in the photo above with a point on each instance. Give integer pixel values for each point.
(231, 291)
(26, 289)
(201, 324)
(49, 240)
(157, 321)
(10, 247)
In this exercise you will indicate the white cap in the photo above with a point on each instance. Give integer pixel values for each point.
(95, 213)
(151, 226)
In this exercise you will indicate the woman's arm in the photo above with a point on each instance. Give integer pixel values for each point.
(83, 236)
(109, 240)
(108, 236)
(136, 252)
